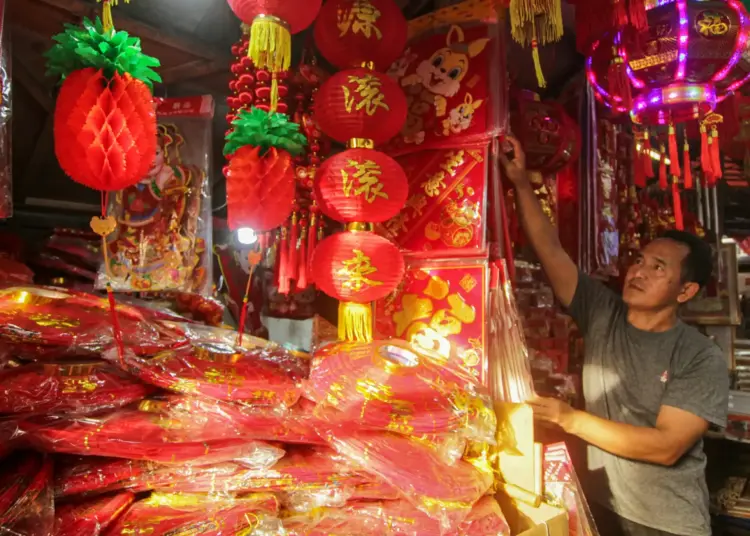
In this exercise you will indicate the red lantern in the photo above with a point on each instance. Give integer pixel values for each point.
(357, 266)
(361, 185)
(350, 33)
(105, 129)
(295, 15)
(360, 104)
(260, 189)
(549, 136)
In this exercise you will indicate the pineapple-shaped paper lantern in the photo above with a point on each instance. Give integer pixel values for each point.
(105, 122)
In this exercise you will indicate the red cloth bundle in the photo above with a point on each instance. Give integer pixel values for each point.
(66, 388)
(91, 518)
(397, 387)
(90, 475)
(26, 503)
(139, 435)
(259, 373)
(46, 322)
(396, 518)
(444, 492)
(165, 514)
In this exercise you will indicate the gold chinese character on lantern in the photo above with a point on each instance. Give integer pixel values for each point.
(712, 24)
(367, 175)
(362, 18)
(367, 95)
(356, 271)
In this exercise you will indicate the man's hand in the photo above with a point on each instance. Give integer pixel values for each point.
(515, 169)
(554, 411)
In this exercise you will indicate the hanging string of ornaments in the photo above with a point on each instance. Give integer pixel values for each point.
(105, 121)
(362, 108)
(667, 78)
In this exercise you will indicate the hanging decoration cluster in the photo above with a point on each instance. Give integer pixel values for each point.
(361, 107)
(679, 68)
(534, 23)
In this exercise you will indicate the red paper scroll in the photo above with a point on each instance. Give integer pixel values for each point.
(440, 306)
(445, 211)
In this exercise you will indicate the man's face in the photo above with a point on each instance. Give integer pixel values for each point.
(654, 280)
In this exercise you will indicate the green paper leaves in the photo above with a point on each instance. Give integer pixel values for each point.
(265, 130)
(90, 46)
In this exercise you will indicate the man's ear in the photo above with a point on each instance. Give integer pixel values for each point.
(689, 290)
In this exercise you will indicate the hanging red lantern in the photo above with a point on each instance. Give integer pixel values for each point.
(361, 185)
(548, 135)
(260, 175)
(357, 267)
(349, 33)
(105, 123)
(359, 104)
(272, 23)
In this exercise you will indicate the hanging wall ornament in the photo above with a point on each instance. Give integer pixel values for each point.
(272, 24)
(534, 23)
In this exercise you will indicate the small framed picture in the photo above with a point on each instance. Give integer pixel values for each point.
(718, 303)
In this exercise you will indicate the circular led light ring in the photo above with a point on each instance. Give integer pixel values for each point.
(682, 39)
(662, 100)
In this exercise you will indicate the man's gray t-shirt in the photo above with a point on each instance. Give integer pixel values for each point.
(628, 375)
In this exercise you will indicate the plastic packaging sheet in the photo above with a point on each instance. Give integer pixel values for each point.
(92, 517)
(6, 105)
(163, 237)
(67, 388)
(170, 514)
(46, 323)
(395, 518)
(394, 385)
(141, 435)
(444, 492)
(260, 372)
(451, 74)
(26, 501)
(93, 475)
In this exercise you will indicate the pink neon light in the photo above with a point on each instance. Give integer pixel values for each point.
(739, 45)
(637, 82)
(682, 43)
(600, 93)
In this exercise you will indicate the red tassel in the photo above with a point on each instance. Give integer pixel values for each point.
(677, 206)
(688, 174)
(620, 14)
(312, 236)
(637, 14)
(283, 280)
(639, 176)
(715, 151)
(293, 240)
(648, 165)
(302, 258)
(663, 170)
(617, 79)
(674, 156)
(705, 154)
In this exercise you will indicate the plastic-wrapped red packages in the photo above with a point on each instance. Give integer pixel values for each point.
(92, 475)
(67, 388)
(47, 322)
(92, 517)
(170, 514)
(396, 386)
(396, 518)
(444, 492)
(139, 435)
(26, 501)
(260, 372)
(14, 273)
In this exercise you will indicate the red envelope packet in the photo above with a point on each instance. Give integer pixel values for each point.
(445, 212)
(440, 306)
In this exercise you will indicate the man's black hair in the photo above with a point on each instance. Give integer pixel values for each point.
(698, 265)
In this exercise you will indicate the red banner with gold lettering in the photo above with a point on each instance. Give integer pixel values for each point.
(445, 210)
(440, 305)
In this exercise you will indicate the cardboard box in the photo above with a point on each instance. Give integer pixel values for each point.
(526, 520)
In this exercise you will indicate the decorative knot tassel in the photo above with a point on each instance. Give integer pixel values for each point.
(355, 322)
(663, 169)
(302, 283)
(617, 79)
(292, 261)
(674, 156)
(688, 174)
(283, 282)
(677, 205)
(715, 151)
(540, 80)
(705, 152)
(648, 166)
(312, 241)
(639, 175)
(637, 14)
(270, 48)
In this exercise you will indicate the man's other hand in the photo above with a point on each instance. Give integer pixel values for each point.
(515, 169)
(553, 411)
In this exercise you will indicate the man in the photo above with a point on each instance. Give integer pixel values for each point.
(651, 383)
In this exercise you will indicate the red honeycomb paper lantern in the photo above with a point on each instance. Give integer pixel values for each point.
(357, 266)
(360, 104)
(105, 130)
(361, 185)
(296, 15)
(349, 33)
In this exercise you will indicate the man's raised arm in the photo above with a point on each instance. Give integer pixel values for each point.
(557, 264)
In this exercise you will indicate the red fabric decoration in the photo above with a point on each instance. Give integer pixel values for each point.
(639, 175)
(715, 154)
(361, 185)
(349, 33)
(706, 165)
(674, 156)
(105, 131)
(648, 165)
(617, 79)
(677, 206)
(358, 267)
(686, 165)
(663, 170)
(360, 104)
(260, 189)
(297, 15)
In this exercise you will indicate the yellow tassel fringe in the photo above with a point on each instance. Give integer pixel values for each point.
(355, 322)
(270, 48)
